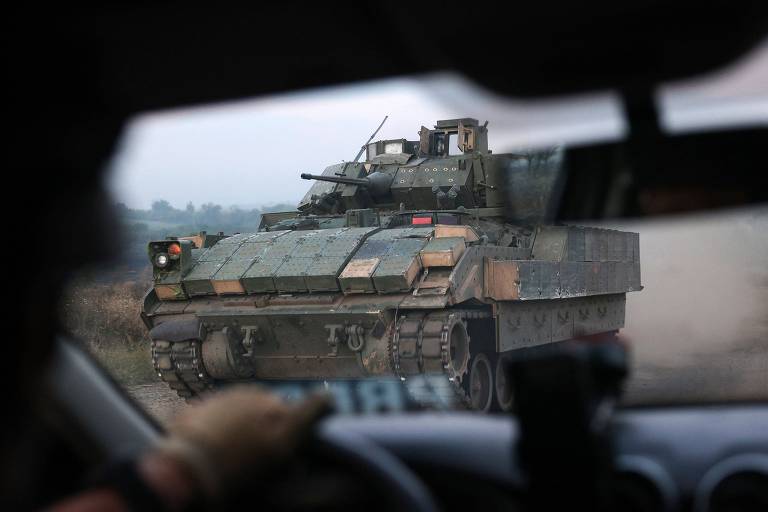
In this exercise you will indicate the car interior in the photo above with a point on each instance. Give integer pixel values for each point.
(567, 443)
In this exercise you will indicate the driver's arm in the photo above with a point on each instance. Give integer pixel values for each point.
(210, 447)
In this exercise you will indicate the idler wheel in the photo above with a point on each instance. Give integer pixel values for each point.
(504, 396)
(481, 383)
(458, 349)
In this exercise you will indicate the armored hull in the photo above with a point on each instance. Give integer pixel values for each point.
(400, 266)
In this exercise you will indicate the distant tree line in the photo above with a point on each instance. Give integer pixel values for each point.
(163, 220)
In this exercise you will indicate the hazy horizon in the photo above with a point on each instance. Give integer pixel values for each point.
(253, 206)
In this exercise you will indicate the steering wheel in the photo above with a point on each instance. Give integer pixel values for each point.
(367, 459)
(111, 420)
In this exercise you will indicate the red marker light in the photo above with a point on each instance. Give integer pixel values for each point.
(174, 249)
(421, 220)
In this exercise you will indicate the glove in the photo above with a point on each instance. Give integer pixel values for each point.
(240, 431)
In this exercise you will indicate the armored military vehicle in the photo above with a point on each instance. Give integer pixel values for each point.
(430, 257)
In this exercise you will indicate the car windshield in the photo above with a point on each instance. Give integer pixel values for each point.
(243, 286)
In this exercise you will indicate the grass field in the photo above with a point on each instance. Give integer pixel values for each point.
(105, 316)
(130, 366)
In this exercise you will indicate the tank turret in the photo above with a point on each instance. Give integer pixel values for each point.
(449, 167)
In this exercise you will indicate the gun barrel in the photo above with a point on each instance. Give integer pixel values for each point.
(337, 179)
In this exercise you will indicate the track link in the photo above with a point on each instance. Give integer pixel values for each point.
(421, 346)
(180, 365)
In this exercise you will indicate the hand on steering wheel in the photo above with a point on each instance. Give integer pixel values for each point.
(245, 433)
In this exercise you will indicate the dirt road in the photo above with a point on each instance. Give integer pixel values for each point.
(157, 399)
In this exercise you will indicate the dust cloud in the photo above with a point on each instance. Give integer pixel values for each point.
(699, 328)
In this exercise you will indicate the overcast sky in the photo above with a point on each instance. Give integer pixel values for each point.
(250, 153)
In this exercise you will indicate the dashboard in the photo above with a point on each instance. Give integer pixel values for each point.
(683, 458)
(701, 458)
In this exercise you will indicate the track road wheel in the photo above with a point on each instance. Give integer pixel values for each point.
(504, 396)
(481, 383)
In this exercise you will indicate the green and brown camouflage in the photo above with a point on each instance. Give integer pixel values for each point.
(431, 256)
